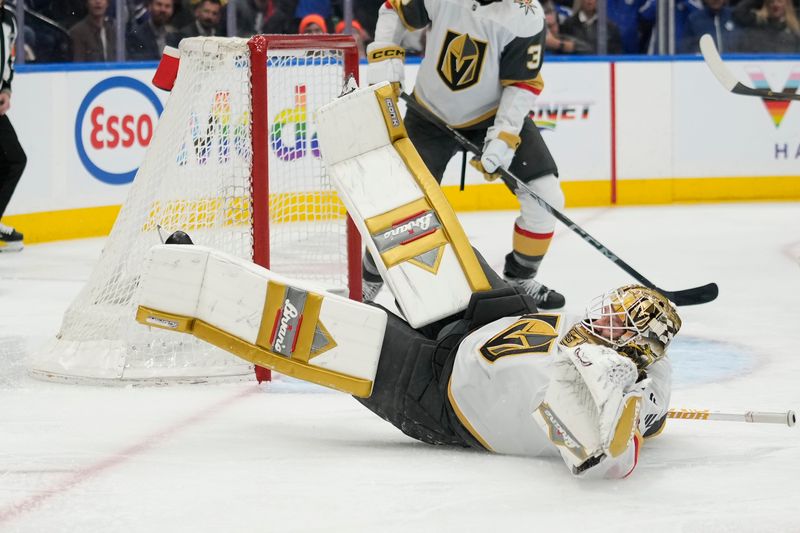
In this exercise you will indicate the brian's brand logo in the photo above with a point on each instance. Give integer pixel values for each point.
(285, 326)
(559, 434)
(392, 112)
(422, 223)
(114, 126)
(407, 230)
(776, 108)
(460, 60)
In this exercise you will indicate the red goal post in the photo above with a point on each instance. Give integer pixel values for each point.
(261, 46)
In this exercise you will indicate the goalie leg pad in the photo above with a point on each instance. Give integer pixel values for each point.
(410, 229)
(289, 326)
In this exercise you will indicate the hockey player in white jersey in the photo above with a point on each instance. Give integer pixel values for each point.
(499, 376)
(480, 74)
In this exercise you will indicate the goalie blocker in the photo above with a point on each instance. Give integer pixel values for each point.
(410, 229)
(289, 326)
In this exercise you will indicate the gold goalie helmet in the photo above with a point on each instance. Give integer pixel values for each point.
(633, 320)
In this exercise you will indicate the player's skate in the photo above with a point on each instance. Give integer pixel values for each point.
(370, 288)
(10, 239)
(519, 276)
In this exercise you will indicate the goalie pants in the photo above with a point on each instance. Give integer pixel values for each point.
(436, 147)
(411, 386)
(12, 161)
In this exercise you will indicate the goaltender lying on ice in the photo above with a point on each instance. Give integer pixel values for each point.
(473, 364)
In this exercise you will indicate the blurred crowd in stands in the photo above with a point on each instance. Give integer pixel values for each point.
(87, 30)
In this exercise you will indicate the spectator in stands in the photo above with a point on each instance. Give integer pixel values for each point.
(280, 16)
(555, 42)
(312, 24)
(146, 39)
(95, 37)
(65, 12)
(184, 12)
(767, 26)
(322, 8)
(582, 26)
(361, 37)
(251, 16)
(207, 15)
(633, 24)
(683, 10)
(716, 19)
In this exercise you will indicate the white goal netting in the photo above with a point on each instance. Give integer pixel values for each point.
(198, 175)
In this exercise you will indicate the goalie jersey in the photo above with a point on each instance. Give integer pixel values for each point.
(500, 376)
(479, 48)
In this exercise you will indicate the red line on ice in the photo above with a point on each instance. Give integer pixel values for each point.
(84, 474)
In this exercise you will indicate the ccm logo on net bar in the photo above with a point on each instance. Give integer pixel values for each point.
(114, 126)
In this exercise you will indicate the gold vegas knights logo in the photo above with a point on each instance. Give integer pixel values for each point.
(461, 60)
(531, 334)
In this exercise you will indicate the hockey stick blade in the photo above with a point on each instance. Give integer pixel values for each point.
(693, 296)
(728, 80)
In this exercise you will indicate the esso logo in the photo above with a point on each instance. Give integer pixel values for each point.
(114, 126)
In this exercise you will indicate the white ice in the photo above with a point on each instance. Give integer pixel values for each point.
(294, 457)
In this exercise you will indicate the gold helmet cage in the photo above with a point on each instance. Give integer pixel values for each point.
(635, 321)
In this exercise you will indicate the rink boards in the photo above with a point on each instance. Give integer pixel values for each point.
(623, 132)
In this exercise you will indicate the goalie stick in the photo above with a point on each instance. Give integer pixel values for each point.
(753, 417)
(693, 296)
(728, 80)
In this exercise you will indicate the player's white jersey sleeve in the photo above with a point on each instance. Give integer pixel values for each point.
(472, 52)
(500, 375)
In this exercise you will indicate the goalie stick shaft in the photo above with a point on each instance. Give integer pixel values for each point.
(728, 80)
(754, 417)
(692, 296)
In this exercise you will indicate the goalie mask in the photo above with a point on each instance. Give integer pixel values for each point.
(637, 322)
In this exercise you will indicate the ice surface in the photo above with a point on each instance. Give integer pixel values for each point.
(294, 457)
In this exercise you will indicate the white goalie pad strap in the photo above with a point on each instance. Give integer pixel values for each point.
(410, 229)
(290, 326)
(591, 407)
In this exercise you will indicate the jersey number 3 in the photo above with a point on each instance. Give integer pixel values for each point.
(535, 51)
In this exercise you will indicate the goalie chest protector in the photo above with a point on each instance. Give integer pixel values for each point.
(405, 220)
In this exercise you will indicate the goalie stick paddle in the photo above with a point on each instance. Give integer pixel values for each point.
(728, 80)
(693, 296)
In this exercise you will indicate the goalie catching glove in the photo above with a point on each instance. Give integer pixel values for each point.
(591, 409)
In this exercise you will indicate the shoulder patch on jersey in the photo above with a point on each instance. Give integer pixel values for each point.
(531, 334)
(523, 18)
(529, 6)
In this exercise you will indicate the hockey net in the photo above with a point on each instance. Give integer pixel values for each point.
(234, 162)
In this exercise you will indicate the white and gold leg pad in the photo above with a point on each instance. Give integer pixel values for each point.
(404, 218)
(286, 325)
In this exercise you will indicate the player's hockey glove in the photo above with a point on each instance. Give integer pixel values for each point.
(591, 409)
(386, 63)
(498, 151)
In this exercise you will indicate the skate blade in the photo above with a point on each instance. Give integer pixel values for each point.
(11, 246)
